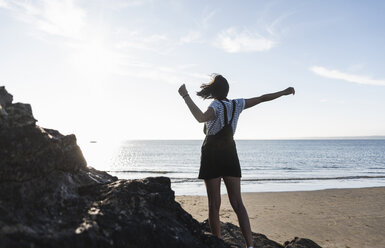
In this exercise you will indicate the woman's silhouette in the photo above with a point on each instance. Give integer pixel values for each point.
(219, 157)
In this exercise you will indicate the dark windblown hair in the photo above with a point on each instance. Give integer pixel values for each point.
(218, 88)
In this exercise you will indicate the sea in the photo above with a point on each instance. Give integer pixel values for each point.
(267, 165)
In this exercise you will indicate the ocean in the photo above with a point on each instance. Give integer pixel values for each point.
(267, 165)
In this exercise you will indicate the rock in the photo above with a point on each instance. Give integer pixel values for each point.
(5, 100)
(232, 235)
(301, 243)
(14, 115)
(49, 197)
(138, 213)
(19, 115)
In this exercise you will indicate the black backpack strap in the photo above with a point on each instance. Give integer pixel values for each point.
(225, 111)
(232, 116)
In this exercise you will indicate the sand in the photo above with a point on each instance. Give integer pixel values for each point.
(340, 218)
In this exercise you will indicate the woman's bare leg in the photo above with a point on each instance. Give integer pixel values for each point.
(213, 187)
(233, 186)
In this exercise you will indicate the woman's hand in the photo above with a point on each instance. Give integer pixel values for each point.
(182, 90)
(289, 91)
(197, 113)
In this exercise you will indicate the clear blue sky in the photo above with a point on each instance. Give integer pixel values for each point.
(111, 68)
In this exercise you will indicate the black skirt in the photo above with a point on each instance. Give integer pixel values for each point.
(219, 156)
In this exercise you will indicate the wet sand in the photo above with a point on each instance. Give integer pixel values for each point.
(332, 218)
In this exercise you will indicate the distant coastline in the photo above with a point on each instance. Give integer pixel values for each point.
(374, 137)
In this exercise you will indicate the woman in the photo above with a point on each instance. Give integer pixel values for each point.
(219, 157)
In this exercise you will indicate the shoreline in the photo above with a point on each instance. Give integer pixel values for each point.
(198, 188)
(283, 191)
(333, 218)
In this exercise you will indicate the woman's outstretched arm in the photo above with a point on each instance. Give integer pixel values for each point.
(268, 97)
(197, 113)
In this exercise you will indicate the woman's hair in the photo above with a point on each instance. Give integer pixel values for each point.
(218, 88)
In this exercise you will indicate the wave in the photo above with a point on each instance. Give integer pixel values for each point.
(184, 180)
(311, 178)
(143, 171)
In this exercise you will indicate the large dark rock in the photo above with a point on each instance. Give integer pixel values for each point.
(232, 235)
(301, 243)
(49, 197)
(5, 98)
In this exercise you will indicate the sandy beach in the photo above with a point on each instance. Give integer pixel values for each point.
(342, 218)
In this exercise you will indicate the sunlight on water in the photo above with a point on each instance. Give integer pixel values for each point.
(100, 154)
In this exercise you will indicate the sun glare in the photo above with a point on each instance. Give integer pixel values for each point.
(93, 58)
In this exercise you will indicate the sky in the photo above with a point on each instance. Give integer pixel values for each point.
(110, 69)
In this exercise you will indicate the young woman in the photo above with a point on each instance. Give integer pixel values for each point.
(219, 157)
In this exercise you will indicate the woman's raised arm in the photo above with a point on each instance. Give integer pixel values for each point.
(268, 97)
(197, 113)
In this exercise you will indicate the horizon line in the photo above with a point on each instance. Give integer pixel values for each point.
(369, 137)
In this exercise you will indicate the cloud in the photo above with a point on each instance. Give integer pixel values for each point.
(3, 4)
(196, 35)
(135, 40)
(121, 4)
(233, 41)
(55, 17)
(165, 74)
(193, 36)
(345, 76)
(62, 18)
(275, 27)
(96, 52)
(206, 16)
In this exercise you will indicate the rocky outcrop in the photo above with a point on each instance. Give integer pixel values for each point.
(301, 243)
(232, 235)
(49, 197)
(139, 213)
